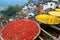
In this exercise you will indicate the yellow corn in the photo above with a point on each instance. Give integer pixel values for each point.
(55, 13)
(47, 19)
(57, 9)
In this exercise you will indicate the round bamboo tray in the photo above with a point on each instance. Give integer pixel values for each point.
(55, 13)
(48, 19)
(57, 9)
(21, 30)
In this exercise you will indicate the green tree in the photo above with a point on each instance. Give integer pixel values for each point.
(30, 1)
(17, 7)
(10, 11)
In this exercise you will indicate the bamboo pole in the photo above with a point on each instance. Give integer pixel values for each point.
(58, 38)
(41, 38)
(1, 38)
(1, 24)
(6, 21)
(54, 38)
(57, 28)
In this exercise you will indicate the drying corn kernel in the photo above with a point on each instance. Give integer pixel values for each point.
(57, 9)
(47, 19)
(55, 13)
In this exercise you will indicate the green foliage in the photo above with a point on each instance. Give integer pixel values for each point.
(5, 17)
(11, 10)
(30, 1)
(17, 7)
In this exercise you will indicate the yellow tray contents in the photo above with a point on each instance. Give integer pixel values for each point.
(55, 13)
(57, 9)
(47, 19)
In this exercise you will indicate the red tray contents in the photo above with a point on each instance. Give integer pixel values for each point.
(21, 30)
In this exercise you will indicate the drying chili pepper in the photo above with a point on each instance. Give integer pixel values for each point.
(21, 30)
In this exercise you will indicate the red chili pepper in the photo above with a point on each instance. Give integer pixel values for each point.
(21, 30)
